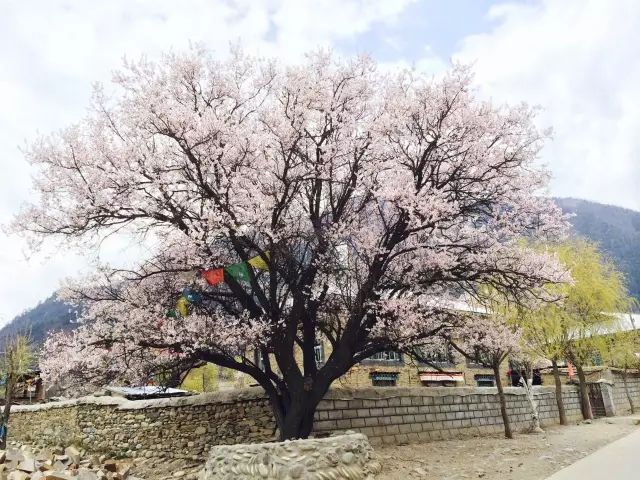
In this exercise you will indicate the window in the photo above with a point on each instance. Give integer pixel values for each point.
(318, 351)
(386, 356)
(384, 379)
(441, 358)
(596, 359)
(485, 380)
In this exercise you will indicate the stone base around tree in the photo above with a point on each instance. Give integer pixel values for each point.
(340, 457)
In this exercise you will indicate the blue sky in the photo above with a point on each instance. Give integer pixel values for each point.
(437, 25)
(576, 59)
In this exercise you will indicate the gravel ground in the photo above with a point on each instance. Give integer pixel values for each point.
(527, 457)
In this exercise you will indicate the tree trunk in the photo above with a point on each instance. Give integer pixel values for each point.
(295, 418)
(527, 384)
(503, 402)
(4, 421)
(585, 404)
(556, 377)
(626, 390)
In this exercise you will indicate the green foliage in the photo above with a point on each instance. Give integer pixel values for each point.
(576, 327)
(202, 379)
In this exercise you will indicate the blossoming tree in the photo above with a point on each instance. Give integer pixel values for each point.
(369, 200)
(489, 340)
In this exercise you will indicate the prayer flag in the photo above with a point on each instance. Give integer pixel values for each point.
(213, 277)
(239, 271)
(192, 296)
(183, 306)
(258, 262)
(172, 314)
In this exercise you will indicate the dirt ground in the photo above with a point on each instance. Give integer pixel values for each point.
(527, 457)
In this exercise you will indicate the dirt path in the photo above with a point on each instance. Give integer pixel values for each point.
(528, 457)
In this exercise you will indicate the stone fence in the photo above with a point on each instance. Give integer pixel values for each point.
(620, 399)
(187, 427)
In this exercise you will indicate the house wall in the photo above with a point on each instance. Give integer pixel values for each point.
(187, 427)
(408, 370)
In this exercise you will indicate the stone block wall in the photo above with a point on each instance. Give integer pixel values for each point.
(401, 415)
(187, 427)
(619, 395)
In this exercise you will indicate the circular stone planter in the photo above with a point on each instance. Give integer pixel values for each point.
(348, 457)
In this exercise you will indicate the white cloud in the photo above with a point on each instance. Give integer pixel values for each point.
(52, 50)
(577, 59)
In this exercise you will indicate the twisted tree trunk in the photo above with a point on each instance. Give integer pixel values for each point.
(527, 384)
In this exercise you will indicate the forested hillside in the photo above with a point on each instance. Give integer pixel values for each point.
(50, 314)
(616, 230)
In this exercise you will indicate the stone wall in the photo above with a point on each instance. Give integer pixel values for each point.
(401, 415)
(619, 395)
(172, 428)
(187, 427)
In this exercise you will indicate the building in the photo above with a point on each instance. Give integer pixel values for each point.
(394, 369)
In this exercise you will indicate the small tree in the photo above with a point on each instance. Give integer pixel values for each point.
(527, 363)
(15, 361)
(545, 335)
(489, 340)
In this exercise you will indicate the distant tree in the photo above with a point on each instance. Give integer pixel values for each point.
(15, 361)
(586, 314)
(361, 197)
(489, 340)
(202, 379)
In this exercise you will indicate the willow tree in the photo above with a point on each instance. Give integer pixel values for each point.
(341, 204)
(589, 309)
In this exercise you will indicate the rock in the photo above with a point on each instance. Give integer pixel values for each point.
(84, 474)
(17, 475)
(14, 455)
(420, 471)
(348, 458)
(73, 453)
(110, 466)
(27, 465)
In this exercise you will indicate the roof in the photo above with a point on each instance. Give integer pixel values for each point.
(147, 392)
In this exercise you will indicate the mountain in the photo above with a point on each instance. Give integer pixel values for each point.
(616, 230)
(49, 315)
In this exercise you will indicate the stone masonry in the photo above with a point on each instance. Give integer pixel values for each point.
(342, 457)
(188, 427)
